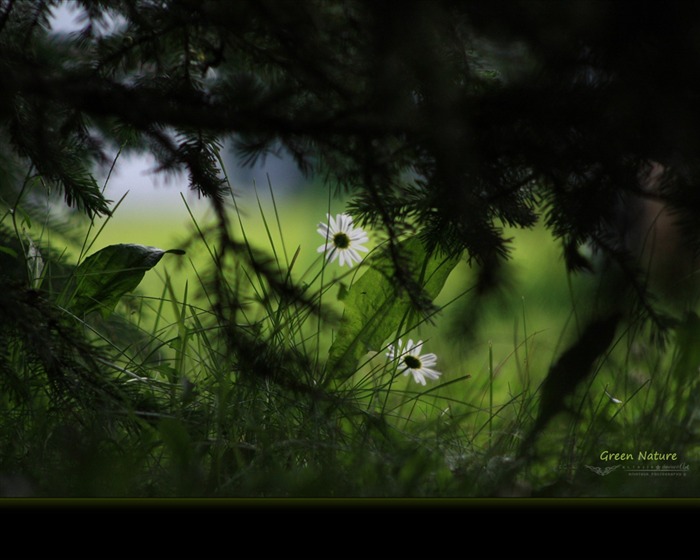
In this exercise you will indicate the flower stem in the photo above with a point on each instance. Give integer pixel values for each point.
(490, 394)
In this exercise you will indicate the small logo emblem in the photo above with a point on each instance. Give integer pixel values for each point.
(602, 471)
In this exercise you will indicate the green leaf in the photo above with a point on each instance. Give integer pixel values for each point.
(9, 251)
(374, 309)
(104, 277)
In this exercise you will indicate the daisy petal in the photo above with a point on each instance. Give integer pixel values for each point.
(428, 359)
(343, 240)
(412, 361)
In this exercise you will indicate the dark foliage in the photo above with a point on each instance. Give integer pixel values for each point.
(447, 120)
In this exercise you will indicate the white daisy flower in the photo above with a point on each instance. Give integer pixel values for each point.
(411, 360)
(343, 240)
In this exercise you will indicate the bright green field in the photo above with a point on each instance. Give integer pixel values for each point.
(514, 345)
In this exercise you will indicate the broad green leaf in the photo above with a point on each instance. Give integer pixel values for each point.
(104, 277)
(374, 309)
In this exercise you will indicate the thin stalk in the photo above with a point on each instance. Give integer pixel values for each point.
(527, 352)
(491, 392)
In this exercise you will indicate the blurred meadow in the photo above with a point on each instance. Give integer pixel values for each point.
(460, 435)
(479, 410)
